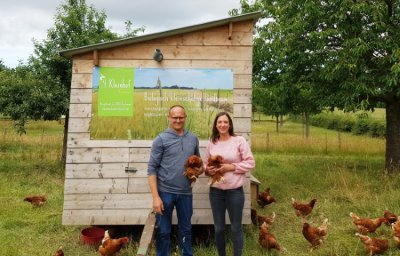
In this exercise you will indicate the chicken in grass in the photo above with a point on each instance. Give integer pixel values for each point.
(215, 161)
(315, 235)
(59, 252)
(367, 225)
(193, 168)
(110, 246)
(36, 200)
(396, 232)
(264, 198)
(258, 219)
(373, 245)
(266, 239)
(303, 209)
(390, 217)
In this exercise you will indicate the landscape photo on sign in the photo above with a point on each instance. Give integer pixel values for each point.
(203, 93)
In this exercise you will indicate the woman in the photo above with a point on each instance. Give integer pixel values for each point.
(228, 194)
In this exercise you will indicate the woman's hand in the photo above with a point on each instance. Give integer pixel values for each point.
(210, 170)
(226, 168)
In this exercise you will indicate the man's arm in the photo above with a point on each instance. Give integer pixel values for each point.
(158, 205)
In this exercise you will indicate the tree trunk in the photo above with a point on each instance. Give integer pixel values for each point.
(392, 162)
(307, 125)
(277, 123)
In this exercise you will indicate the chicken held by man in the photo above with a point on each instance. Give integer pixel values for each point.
(193, 168)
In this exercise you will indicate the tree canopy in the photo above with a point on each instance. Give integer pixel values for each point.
(333, 53)
(39, 89)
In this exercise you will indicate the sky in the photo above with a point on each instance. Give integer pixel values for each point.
(24, 20)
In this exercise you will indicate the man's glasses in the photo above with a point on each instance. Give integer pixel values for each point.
(176, 118)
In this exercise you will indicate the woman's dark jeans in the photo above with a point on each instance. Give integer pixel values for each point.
(231, 200)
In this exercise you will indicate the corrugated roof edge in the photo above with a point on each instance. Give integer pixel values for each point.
(71, 52)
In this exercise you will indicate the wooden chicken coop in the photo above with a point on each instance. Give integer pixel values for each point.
(106, 177)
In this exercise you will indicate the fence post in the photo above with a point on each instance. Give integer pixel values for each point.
(326, 143)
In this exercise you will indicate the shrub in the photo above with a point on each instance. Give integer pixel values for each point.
(361, 126)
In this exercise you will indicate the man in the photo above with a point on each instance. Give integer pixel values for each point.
(169, 187)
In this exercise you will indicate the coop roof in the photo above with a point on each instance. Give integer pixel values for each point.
(126, 41)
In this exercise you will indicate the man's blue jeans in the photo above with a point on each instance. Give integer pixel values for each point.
(231, 200)
(184, 211)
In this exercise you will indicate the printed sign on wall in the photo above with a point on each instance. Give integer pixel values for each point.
(130, 103)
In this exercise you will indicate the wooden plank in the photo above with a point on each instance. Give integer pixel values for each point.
(75, 138)
(81, 95)
(82, 80)
(80, 110)
(242, 110)
(242, 81)
(79, 124)
(147, 235)
(83, 155)
(135, 217)
(242, 96)
(107, 201)
(238, 67)
(139, 155)
(103, 170)
(96, 186)
(82, 140)
(242, 125)
(215, 37)
(179, 52)
(129, 201)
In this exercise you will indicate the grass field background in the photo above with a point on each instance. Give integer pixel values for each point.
(346, 178)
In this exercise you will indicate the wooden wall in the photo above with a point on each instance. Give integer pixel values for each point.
(97, 188)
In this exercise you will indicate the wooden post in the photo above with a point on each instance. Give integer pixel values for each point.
(147, 235)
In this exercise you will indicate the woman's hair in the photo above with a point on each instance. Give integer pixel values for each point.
(215, 133)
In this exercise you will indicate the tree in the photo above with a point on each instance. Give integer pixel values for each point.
(344, 52)
(47, 73)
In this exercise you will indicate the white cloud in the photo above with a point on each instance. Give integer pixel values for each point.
(23, 20)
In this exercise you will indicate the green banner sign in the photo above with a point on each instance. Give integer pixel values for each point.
(115, 91)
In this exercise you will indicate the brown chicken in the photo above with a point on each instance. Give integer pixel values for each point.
(266, 239)
(259, 219)
(374, 245)
(111, 246)
(36, 200)
(303, 209)
(396, 232)
(59, 252)
(265, 198)
(390, 217)
(315, 235)
(215, 161)
(193, 168)
(367, 225)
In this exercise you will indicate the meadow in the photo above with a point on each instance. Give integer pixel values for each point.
(344, 172)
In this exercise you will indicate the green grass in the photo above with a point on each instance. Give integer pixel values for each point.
(349, 178)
